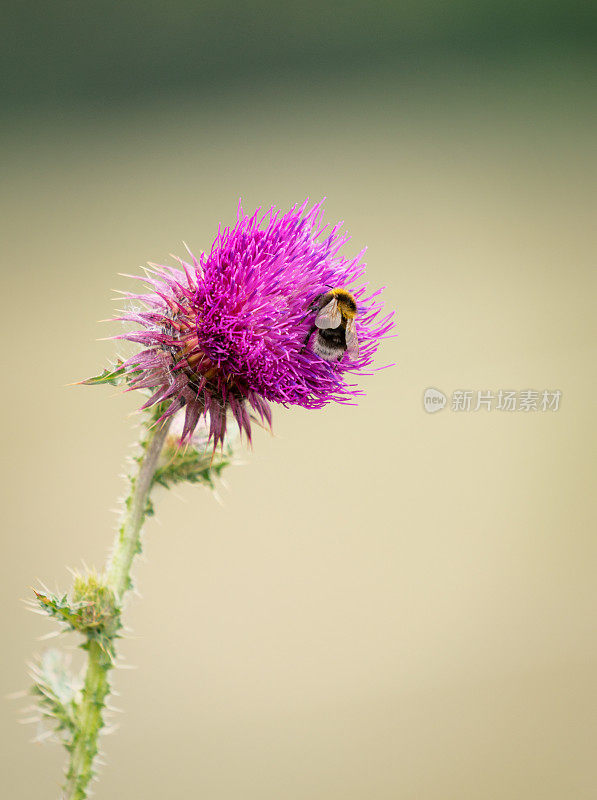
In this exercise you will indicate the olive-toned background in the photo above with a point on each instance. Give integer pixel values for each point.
(387, 604)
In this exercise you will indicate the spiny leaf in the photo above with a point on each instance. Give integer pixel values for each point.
(58, 607)
(112, 375)
(56, 689)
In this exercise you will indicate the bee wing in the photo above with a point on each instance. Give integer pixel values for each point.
(352, 342)
(329, 316)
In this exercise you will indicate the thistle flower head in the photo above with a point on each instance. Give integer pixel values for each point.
(227, 331)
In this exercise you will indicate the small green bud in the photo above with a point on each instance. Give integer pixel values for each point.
(91, 609)
(96, 607)
(194, 461)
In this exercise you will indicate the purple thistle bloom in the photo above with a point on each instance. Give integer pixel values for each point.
(227, 331)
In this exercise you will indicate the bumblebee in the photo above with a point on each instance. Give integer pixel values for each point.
(334, 325)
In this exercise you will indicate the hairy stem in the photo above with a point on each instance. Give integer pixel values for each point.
(88, 722)
(89, 711)
(128, 539)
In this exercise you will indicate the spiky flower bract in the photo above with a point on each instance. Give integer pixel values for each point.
(226, 331)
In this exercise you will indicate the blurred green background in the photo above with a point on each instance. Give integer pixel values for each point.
(414, 616)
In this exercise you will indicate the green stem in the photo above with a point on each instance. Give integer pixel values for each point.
(89, 711)
(88, 723)
(128, 540)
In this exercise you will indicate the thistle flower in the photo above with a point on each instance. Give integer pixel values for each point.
(226, 332)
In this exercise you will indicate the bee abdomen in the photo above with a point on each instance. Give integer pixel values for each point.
(330, 343)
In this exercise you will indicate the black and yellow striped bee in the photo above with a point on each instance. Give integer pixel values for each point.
(334, 325)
